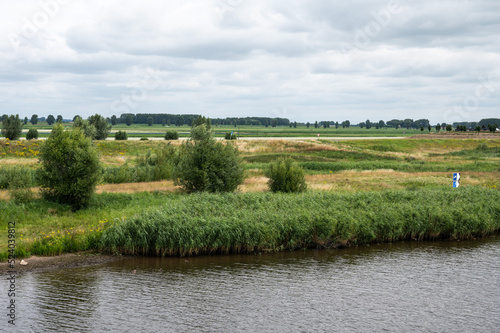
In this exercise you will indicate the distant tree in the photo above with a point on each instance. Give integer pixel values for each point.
(346, 124)
(443, 126)
(294, 124)
(290, 125)
(113, 120)
(274, 123)
(129, 120)
(25, 120)
(168, 123)
(429, 128)
(121, 135)
(75, 117)
(308, 124)
(368, 124)
(12, 127)
(50, 119)
(449, 128)
(478, 128)
(150, 121)
(381, 123)
(4, 117)
(171, 135)
(59, 119)
(316, 124)
(32, 134)
(101, 125)
(438, 128)
(34, 119)
(421, 128)
(179, 121)
(336, 124)
(362, 124)
(163, 122)
(85, 127)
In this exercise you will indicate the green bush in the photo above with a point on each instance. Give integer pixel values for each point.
(32, 134)
(286, 176)
(204, 164)
(16, 177)
(144, 138)
(230, 136)
(121, 135)
(12, 127)
(70, 167)
(171, 135)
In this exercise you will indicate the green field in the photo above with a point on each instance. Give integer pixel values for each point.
(140, 130)
(349, 182)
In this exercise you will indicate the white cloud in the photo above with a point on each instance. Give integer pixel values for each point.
(221, 58)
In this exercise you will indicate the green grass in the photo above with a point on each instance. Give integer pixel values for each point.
(205, 224)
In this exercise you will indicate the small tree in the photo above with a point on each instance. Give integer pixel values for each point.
(478, 128)
(12, 127)
(129, 120)
(25, 120)
(87, 129)
(438, 128)
(429, 128)
(449, 128)
(121, 135)
(421, 128)
(102, 128)
(113, 120)
(171, 135)
(50, 119)
(34, 119)
(59, 119)
(70, 167)
(230, 136)
(207, 165)
(150, 121)
(32, 134)
(285, 176)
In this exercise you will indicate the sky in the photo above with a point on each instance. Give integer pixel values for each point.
(302, 60)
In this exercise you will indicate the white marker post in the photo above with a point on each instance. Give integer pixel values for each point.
(456, 180)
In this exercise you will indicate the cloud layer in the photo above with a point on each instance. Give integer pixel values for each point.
(304, 60)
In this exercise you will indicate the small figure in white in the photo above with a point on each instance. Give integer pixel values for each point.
(456, 180)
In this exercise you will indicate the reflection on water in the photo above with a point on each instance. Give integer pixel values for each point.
(410, 287)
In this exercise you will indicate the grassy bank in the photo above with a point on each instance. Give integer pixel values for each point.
(174, 224)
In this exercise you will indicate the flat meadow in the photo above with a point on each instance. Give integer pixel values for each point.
(359, 191)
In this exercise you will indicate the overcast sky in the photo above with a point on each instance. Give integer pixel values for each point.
(302, 60)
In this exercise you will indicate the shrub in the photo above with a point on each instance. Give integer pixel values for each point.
(102, 128)
(16, 177)
(286, 176)
(171, 135)
(144, 138)
(12, 127)
(204, 164)
(121, 135)
(70, 167)
(32, 134)
(230, 136)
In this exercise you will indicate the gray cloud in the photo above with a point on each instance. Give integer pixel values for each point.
(310, 60)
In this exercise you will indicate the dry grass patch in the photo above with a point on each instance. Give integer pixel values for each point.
(138, 187)
(18, 161)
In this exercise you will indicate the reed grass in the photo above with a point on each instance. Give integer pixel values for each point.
(255, 222)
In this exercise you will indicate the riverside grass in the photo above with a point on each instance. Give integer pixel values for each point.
(163, 224)
(256, 222)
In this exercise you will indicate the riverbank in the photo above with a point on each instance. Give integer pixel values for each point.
(63, 261)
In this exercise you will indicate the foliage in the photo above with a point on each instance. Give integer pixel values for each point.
(34, 119)
(121, 135)
(150, 121)
(230, 136)
(253, 222)
(285, 176)
(16, 177)
(51, 119)
(207, 165)
(102, 128)
(87, 129)
(32, 134)
(171, 135)
(12, 127)
(70, 167)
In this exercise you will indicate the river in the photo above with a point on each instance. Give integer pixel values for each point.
(404, 287)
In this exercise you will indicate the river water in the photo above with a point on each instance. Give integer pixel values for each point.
(405, 287)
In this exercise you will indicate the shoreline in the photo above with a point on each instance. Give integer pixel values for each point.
(67, 260)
